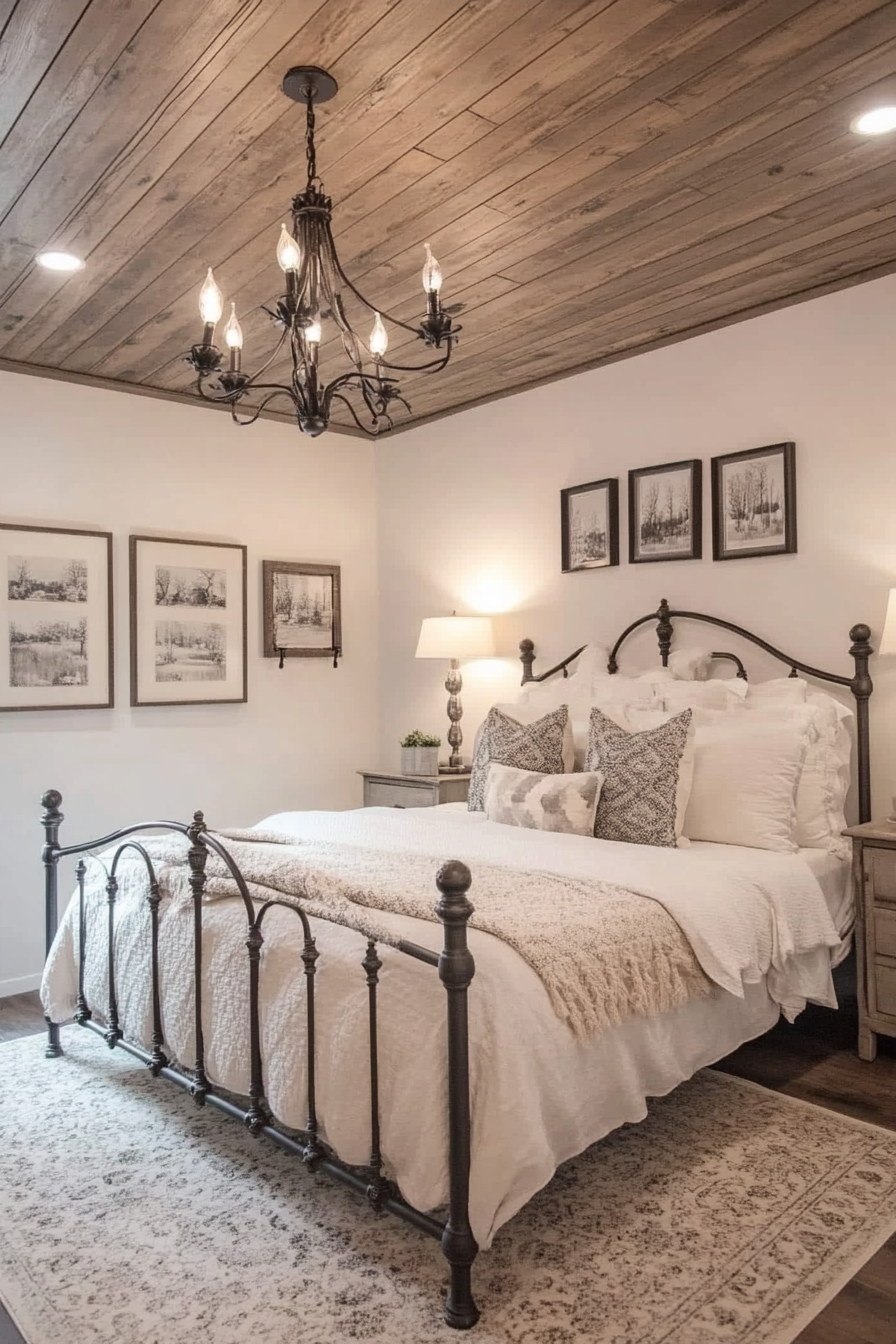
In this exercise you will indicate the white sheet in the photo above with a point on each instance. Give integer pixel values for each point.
(538, 1096)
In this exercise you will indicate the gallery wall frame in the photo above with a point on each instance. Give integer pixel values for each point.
(57, 618)
(665, 512)
(301, 610)
(754, 503)
(188, 621)
(589, 526)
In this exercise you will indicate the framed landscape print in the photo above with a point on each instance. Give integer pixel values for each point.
(665, 512)
(589, 526)
(188, 622)
(57, 618)
(302, 610)
(754, 503)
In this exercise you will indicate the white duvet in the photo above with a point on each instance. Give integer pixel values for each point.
(757, 922)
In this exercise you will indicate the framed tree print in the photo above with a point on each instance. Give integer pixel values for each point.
(589, 526)
(754, 503)
(665, 512)
(57, 618)
(188, 622)
(302, 610)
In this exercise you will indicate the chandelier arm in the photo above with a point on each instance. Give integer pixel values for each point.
(434, 367)
(279, 392)
(366, 302)
(365, 429)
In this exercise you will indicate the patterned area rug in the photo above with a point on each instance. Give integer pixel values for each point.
(730, 1216)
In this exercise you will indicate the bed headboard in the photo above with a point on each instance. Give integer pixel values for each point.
(860, 683)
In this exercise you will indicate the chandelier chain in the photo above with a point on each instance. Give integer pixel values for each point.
(309, 140)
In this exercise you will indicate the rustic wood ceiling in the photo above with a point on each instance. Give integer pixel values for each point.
(595, 176)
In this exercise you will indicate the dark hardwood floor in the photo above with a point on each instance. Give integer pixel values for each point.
(816, 1061)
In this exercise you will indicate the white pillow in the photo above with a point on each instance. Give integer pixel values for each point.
(785, 690)
(720, 693)
(826, 776)
(566, 804)
(745, 782)
(690, 664)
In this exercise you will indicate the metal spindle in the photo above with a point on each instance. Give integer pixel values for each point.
(112, 1034)
(310, 954)
(82, 1011)
(51, 821)
(378, 1188)
(158, 1059)
(197, 856)
(256, 1117)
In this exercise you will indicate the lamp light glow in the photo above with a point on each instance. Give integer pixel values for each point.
(233, 332)
(59, 261)
(313, 332)
(432, 272)
(379, 339)
(288, 255)
(877, 121)
(211, 300)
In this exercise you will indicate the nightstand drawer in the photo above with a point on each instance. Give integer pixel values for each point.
(880, 865)
(885, 931)
(384, 793)
(885, 988)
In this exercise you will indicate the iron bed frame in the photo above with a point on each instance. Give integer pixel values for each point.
(454, 964)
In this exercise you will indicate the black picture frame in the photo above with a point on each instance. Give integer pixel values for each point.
(589, 526)
(754, 493)
(282, 581)
(188, 609)
(57, 618)
(665, 512)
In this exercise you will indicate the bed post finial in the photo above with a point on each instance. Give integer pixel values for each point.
(456, 970)
(862, 686)
(664, 631)
(527, 658)
(51, 821)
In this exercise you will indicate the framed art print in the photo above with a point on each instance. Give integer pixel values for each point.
(754, 503)
(188, 622)
(665, 513)
(302, 610)
(57, 618)
(589, 526)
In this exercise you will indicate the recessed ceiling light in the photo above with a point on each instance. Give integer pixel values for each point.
(876, 122)
(59, 261)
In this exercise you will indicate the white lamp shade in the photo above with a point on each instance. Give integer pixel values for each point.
(456, 637)
(888, 638)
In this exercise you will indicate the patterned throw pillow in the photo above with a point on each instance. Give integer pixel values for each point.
(565, 803)
(647, 779)
(526, 746)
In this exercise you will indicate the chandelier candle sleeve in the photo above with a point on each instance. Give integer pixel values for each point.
(455, 637)
(318, 290)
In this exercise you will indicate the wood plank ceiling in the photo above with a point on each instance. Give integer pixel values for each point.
(595, 176)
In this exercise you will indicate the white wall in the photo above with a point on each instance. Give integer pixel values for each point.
(75, 456)
(469, 514)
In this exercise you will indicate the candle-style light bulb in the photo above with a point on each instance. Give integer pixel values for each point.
(288, 255)
(233, 332)
(432, 273)
(211, 301)
(379, 339)
(313, 332)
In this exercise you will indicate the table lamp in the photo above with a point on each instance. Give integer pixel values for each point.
(455, 637)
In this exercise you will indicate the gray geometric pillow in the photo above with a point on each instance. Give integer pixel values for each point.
(563, 803)
(645, 791)
(526, 746)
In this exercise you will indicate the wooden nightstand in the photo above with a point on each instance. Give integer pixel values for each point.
(385, 788)
(874, 874)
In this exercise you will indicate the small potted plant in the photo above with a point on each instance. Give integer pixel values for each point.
(420, 754)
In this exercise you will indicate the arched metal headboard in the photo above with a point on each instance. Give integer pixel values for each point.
(860, 684)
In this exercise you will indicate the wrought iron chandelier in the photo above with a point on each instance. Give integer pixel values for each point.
(316, 292)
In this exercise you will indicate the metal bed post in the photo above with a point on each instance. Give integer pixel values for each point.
(456, 970)
(51, 821)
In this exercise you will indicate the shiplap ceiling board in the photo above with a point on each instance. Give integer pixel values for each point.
(596, 177)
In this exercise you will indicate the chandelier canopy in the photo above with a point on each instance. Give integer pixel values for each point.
(314, 308)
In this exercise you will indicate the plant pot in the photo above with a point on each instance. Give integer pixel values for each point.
(419, 760)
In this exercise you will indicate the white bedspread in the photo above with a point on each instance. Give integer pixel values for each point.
(757, 921)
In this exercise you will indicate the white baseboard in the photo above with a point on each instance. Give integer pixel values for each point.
(20, 986)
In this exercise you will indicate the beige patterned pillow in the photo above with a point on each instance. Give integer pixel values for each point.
(647, 779)
(526, 746)
(565, 803)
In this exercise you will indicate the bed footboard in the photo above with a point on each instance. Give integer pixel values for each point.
(455, 969)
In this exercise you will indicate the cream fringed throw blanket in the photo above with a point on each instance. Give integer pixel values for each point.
(602, 953)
